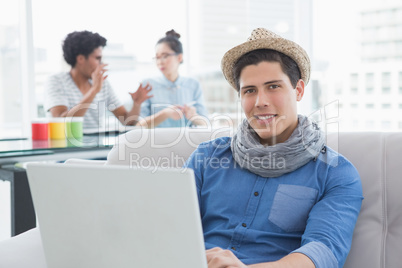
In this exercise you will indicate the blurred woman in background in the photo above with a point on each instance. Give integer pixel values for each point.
(177, 101)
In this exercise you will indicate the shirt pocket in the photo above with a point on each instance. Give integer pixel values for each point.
(291, 206)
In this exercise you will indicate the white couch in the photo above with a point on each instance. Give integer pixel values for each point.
(377, 239)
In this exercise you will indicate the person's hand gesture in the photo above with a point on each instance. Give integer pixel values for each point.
(141, 94)
(98, 76)
(189, 111)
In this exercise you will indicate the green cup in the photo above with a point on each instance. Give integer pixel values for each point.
(74, 127)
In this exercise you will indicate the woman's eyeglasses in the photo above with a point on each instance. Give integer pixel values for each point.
(164, 57)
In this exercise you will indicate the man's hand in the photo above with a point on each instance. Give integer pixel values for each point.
(219, 258)
(141, 94)
(98, 76)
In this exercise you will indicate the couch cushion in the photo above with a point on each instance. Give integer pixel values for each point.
(377, 236)
(393, 200)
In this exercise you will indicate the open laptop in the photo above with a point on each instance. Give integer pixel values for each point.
(116, 216)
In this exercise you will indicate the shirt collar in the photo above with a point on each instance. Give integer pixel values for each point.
(172, 85)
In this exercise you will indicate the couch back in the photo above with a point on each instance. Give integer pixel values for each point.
(377, 239)
(165, 147)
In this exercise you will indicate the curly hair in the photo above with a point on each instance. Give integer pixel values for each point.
(81, 43)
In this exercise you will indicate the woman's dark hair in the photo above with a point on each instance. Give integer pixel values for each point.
(288, 65)
(81, 43)
(172, 40)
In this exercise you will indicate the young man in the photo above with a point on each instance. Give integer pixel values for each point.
(274, 195)
(84, 90)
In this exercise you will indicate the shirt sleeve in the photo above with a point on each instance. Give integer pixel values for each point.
(146, 105)
(54, 93)
(328, 234)
(146, 108)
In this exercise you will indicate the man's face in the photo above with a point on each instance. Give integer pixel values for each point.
(269, 101)
(90, 63)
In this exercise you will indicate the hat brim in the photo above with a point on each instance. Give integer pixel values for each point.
(287, 47)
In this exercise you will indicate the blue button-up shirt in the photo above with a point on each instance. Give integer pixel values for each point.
(183, 91)
(312, 210)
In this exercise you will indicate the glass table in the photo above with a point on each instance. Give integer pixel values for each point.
(22, 150)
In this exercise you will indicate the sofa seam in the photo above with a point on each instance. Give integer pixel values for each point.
(384, 201)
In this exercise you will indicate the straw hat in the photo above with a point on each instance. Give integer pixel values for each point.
(264, 39)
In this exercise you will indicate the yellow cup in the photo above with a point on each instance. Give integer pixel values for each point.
(57, 128)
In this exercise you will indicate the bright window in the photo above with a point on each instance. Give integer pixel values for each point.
(346, 54)
(10, 69)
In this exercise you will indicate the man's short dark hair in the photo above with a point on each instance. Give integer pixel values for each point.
(81, 43)
(288, 65)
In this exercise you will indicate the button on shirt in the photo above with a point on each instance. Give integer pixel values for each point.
(183, 91)
(312, 210)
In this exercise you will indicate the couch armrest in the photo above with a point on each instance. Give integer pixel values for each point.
(84, 161)
(24, 250)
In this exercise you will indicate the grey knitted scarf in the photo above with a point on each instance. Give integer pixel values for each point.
(305, 144)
